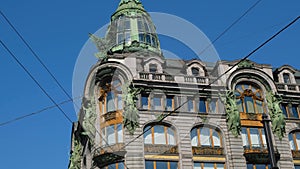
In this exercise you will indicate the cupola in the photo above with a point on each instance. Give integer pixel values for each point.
(131, 29)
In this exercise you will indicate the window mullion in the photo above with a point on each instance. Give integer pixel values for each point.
(198, 134)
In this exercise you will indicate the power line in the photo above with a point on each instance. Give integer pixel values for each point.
(227, 29)
(35, 81)
(37, 57)
(251, 53)
(36, 112)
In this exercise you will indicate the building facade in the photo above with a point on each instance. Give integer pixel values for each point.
(141, 110)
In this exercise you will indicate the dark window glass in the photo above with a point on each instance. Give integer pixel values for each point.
(145, 102)
(294, 111)
(149, 165)
(152, 68)
(202, 105)
(286, 78)
(169, 103)
(148, 39)
(195, 71)
(190, 105)
(283, 108)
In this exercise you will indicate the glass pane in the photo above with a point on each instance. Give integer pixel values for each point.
(145, 102)
(197, 166)
(111, 139)
(112, 166)
(245, 137)
(148, 39)
(240, 105)
(190, 105)
(249, 104)
(120, 38)
(263, 136)
(298, 139)
(149, 165)
(283, 108)
(121, 166)
(204, 137)
(120, 103)
(259, 107)
(286, 78)
(159, 135)
(254, 137)
(260, 166)
(154, 43)
(169, 103)
(148, 136)
(216, 139)
(140, 25)
(249, 166)
(213, 105)
(171, 137)
(194, 137)
(127, 24)
(120, 133)
(146, 26)
(141, 37)
(291, 140)
(220, 166)
(157, 103)
(110, 102)
(152, 68)
(103, 136)
(294, 111)
(120, 26)
(202, 105)
(127, 37)
(209, 166)
(173, 165)
(161, 165)
(195, 71)
(297, 166)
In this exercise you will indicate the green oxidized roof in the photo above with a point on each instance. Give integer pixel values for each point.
(128, 5)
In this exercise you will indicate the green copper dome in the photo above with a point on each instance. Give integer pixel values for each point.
(132, 29)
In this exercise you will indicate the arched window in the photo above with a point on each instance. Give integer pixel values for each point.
(207, 141)
(160, 139)
(111, 97)
(159, 134)
(123, 29)
(146, 30)
(294, 139)
(249, 98)
(111, 105)
(286, 78)
(195, 71)
(205, 137)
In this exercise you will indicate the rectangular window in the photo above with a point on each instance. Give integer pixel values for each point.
(245, 137)
(120, 133)
(283, 108)
(110, 131)
(294, 111)
(120, 38)
(169, 103)
(145, 102)
(190, 105)
(207, 165)
(202, 105)
(253, 138)
(213, 105)
(110, 102)
(157, 105)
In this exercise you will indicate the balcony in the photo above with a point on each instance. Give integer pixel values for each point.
(288, 87)
(174, 78)
(103, 156)
(208, 151)
(258, 154)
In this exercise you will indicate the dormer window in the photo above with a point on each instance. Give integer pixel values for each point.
(286, 78)
(152, 68)
(195, 71)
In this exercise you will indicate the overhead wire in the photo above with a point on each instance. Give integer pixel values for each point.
(230, 26)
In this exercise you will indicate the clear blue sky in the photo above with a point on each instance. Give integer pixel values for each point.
(57, 30)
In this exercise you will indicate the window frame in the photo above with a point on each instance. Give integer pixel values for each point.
(263, 142)
(211, 138)
(202, 164)
(166, 134)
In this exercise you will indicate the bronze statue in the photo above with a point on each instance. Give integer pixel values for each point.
(232, 113)
(276, 114)
(90, 115)
(131, 114)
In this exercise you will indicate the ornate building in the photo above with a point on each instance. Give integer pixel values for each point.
(142, 110)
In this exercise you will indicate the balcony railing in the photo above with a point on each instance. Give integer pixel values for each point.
(288, 87)
(174, 78)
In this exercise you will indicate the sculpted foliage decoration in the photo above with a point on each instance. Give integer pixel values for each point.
(103, 45)
(232, 113)
(131, 114)
(75, 160)
(89, 119)
(276, 114)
